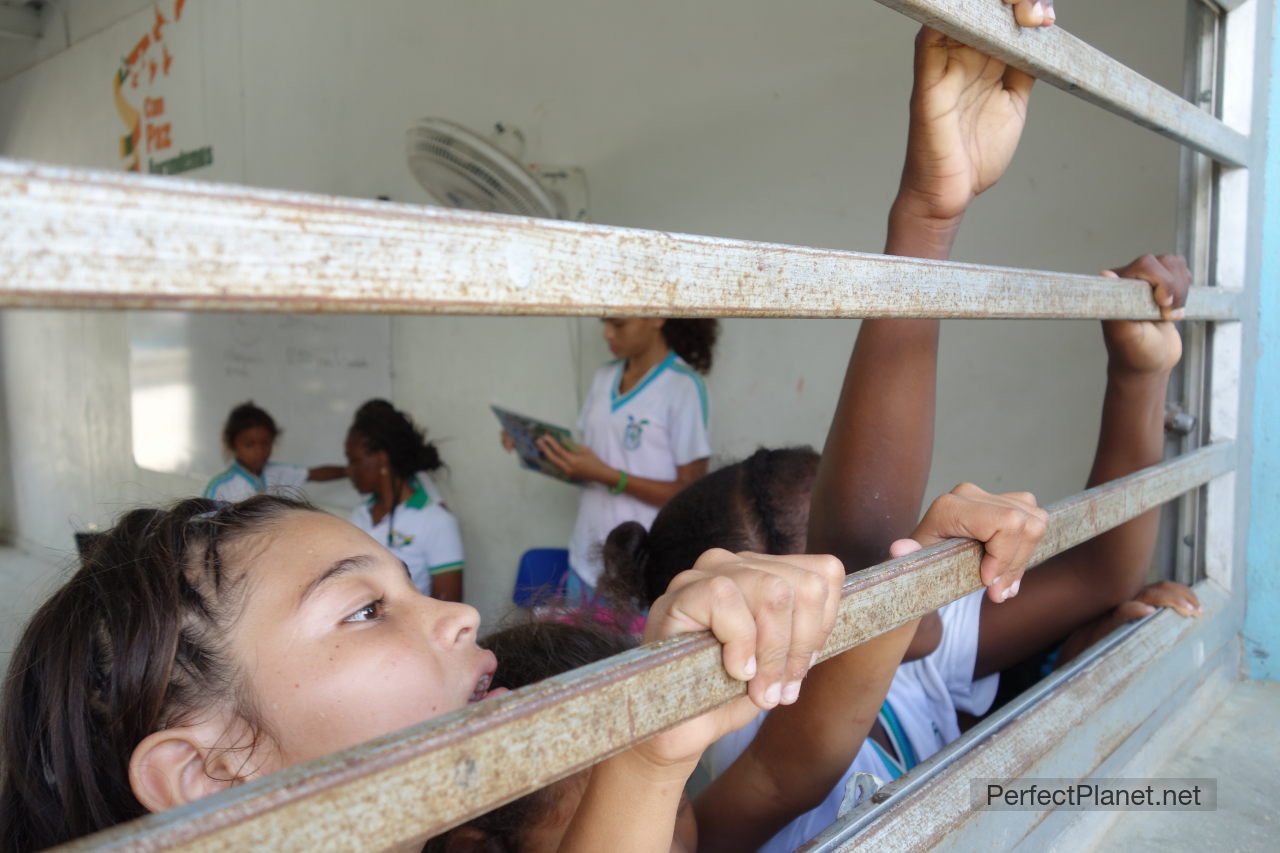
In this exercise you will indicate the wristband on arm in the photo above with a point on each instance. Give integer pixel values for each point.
(621, 486)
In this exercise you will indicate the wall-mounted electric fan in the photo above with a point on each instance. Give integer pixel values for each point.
(461, 168)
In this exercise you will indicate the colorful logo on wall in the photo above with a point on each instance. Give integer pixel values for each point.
(631, 438)
(140, 87)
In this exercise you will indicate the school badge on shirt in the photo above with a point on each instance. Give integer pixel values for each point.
(396, 539)
(631, 438)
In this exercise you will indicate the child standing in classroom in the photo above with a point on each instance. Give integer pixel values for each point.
(644, 426)
(249, 436)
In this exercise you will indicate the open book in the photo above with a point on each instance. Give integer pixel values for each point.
(524, 430)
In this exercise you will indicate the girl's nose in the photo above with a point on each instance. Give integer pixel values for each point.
(454, 623)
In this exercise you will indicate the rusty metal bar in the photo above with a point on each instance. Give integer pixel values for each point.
(72, 238)
(1057, 57)
(1143, 673)
(901, 590)
(418, 782)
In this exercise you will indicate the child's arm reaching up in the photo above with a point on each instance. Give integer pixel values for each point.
(967, 114)
(773, 614)
(1091, 578)
(803, 749)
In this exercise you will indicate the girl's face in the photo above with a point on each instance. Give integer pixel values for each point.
(365, 468)
(252, 448)
(629, 337)
(338, 646)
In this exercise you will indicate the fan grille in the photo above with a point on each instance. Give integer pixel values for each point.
(459, 168)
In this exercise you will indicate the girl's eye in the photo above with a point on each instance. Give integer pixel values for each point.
(371, 612)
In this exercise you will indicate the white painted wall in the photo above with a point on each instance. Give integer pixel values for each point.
(758, 120)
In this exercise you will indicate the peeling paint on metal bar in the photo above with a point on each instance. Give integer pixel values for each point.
(73, 238)
(903, 589)
(1059, 58)
(418, 782)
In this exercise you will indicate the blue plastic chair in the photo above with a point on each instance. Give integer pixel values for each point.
(541, 576)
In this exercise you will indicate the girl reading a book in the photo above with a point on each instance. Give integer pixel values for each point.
(644, 434)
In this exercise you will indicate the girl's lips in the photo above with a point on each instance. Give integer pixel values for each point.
(489, 666)
(482, 690)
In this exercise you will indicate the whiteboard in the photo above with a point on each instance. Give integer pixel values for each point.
(309, 371)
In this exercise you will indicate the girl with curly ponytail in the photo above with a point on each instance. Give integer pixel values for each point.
(645, 434)
(390, 459)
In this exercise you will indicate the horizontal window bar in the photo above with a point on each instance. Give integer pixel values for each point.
(425, 779)
(1057, 57)
(72, 238)
(1066, 727)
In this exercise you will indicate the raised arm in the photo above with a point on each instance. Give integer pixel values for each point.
(967, 114)
(802, 750)
(1100, 574)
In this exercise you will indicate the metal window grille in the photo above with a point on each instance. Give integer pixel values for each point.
(72, 238)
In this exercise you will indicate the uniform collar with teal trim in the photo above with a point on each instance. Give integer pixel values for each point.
(419, 498)
(259, 483)
(905, 758)
(617, 400)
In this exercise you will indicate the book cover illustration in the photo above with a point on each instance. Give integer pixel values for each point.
(524, 431)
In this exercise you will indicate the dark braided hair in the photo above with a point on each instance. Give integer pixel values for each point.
(692, 340)
(134, 643)
(759, 504)
(529, 652)
(247, 416)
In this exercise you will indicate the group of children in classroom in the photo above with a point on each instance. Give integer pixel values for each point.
(388, 459)
(207, 644)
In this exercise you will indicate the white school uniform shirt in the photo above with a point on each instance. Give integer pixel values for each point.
(237, 483)
(658, 425)
(924, 697)
(421, 532)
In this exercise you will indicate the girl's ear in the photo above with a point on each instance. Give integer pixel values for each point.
(176, 766)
